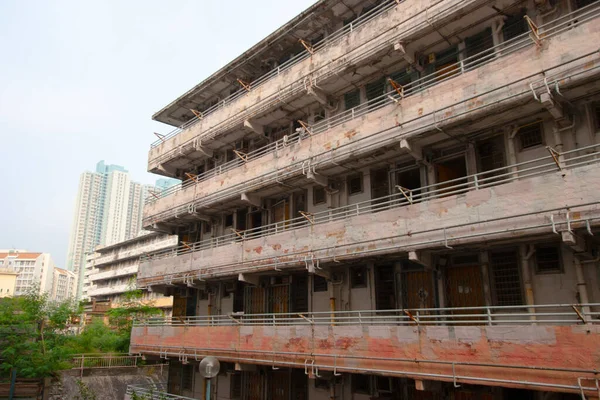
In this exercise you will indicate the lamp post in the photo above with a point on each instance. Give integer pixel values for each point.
(209, 368)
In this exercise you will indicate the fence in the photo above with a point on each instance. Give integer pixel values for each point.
(155, 391)
(85, 361)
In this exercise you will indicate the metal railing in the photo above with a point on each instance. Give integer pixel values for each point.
(156, 391)
(517, 43)
(549, 314)
(85, 361)
(295, 60)
(320, 74)
(527, 169)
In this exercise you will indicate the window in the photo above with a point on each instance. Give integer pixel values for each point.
(506, 278)
(319, 284)
(351, 99)
(361, 384)
(476, 46)
(514, 26)
(228, 220)
(355, 183)
(531, 135)
(319, 195)
(187, 379)
(207, 227)
(358, 277)
(547, 258)
(596, 115)
(321, 383)
(374, 90)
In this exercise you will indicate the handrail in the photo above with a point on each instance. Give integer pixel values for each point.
(503, 49)
(326, 70)
(153, 391)
(336, 35)
(479, 180)
(483, 315)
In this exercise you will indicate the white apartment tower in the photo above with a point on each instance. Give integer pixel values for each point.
(108, 210)
(33, 268)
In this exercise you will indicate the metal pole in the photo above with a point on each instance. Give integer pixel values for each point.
(13, 382)
(208, 389)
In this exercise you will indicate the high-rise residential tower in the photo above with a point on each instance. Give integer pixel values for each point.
(107, 210)
(386, 199)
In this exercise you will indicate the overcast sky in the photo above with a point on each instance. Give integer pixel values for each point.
(79, 82)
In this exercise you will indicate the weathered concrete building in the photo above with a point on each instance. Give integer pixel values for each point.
(387, 199)
(113, 270)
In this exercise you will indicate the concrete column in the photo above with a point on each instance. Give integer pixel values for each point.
(511, 153)
(439, 277)
(485, 276)
(525, 255)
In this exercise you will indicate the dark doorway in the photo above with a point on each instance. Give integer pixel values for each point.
(385, 287)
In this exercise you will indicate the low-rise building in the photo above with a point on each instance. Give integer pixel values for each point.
(34, 269)
(112, 270)
(8, 281)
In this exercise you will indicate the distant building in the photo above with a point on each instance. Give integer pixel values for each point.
(64, 285)
(112, 270)
(8, 281)
(32, 269)
(108, 210)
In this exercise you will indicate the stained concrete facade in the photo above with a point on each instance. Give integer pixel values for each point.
(403, 204)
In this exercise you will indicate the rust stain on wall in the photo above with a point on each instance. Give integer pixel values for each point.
(258, 249)
(350, 134)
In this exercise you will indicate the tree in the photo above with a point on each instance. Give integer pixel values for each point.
(132, 308)
(33, 333)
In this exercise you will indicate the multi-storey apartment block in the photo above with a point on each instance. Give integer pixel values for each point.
(35, 270)
(387, 199)
(64, 285)
(112, 270)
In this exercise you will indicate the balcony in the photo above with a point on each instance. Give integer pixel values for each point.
(95, 291)
(428, 105)
(134, 251)
(465, 210)
(124, 271)
(546, 347)
(366, 38)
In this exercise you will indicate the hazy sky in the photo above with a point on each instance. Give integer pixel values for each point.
(79, 81)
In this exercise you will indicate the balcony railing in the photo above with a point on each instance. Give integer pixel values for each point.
(544, 165)
(153, 391)
(511, 46)
(318, 75)
(552, 314)
(328, 41)
(85, 361)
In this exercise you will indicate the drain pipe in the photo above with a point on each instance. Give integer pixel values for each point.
(526, 254)
(581, 286)
(331, 302)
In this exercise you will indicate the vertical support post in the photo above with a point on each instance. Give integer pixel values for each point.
(484, 259)
(526, 254)
(512, 153)
(82, 363)
(208, 389)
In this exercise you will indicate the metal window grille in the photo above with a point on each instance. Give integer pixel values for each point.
(531, 135)
(319, 195)
(514, 26)
(352, 99)
(547, 259)
(319, 284)
(187, 378)
(478, 44)
(506, 278)
(355, 184)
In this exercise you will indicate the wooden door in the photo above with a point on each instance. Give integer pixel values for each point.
(179, 306)
(450, 171)
(280, 299)
(280, 385)
(417, 289)
(464, 288)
